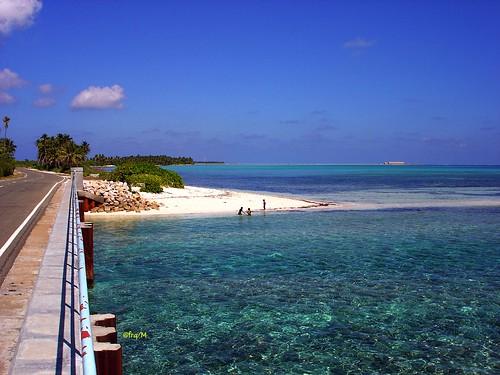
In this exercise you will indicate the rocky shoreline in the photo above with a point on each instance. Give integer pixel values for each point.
(118, 197)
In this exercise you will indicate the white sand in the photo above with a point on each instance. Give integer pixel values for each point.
(197, 200)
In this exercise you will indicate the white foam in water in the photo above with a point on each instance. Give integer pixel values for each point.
(414, 198)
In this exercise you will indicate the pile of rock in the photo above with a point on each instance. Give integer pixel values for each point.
(118, 197)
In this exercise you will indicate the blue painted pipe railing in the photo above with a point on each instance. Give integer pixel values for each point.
(87, 346)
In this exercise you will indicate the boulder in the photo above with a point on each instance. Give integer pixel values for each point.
(117, 197)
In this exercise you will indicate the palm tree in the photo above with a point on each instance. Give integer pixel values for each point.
(60, 152)
(42, 144)
(84, 148)
(7, 147)
(6, 125)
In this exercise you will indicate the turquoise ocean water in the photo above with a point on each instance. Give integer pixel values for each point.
(388, 291)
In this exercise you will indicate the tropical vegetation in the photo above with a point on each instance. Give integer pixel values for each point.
(26, 163)
(101, 159)
(60, 152)
(147, 182)
(148, 176)
(7, 150)
(6, 121)
(7, 161)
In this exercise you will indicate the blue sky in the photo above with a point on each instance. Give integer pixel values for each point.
(257, 81)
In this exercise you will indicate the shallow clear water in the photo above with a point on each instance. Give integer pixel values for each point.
(386, 186)
(312, 179)
(390, 291)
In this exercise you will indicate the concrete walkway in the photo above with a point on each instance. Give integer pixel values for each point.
(49, 339)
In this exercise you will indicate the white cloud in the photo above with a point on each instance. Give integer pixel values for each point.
(5, 98)
(359, 43)
(46, 88)
(17, 13)
(44, 102)
(95, 97)
(46, 99)
(9, 79)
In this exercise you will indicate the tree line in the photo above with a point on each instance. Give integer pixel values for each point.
(101, 159)
(60, 152)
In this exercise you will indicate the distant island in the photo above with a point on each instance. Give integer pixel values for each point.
(100, 159)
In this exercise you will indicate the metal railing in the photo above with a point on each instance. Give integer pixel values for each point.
(87, 346)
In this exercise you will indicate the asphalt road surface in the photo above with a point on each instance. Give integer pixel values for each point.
(18, 197)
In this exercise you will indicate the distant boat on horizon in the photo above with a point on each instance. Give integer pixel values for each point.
(395, 163)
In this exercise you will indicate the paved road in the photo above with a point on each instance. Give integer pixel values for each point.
(19, 196)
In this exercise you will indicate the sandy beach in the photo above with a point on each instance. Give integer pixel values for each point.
(198, 200)
(206, 201)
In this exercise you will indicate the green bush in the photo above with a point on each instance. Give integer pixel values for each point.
(89, 169)
(7, 162)
(27, 163)
(173, 179)
(126, 172)
(148, 182)
(7, 166)
(106, 176)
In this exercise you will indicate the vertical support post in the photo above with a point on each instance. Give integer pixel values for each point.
(87, 204)
(108, 358)
(107, 352)
(81, 210)
(88, 250)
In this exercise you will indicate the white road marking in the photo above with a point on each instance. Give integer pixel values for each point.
(25, 222)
